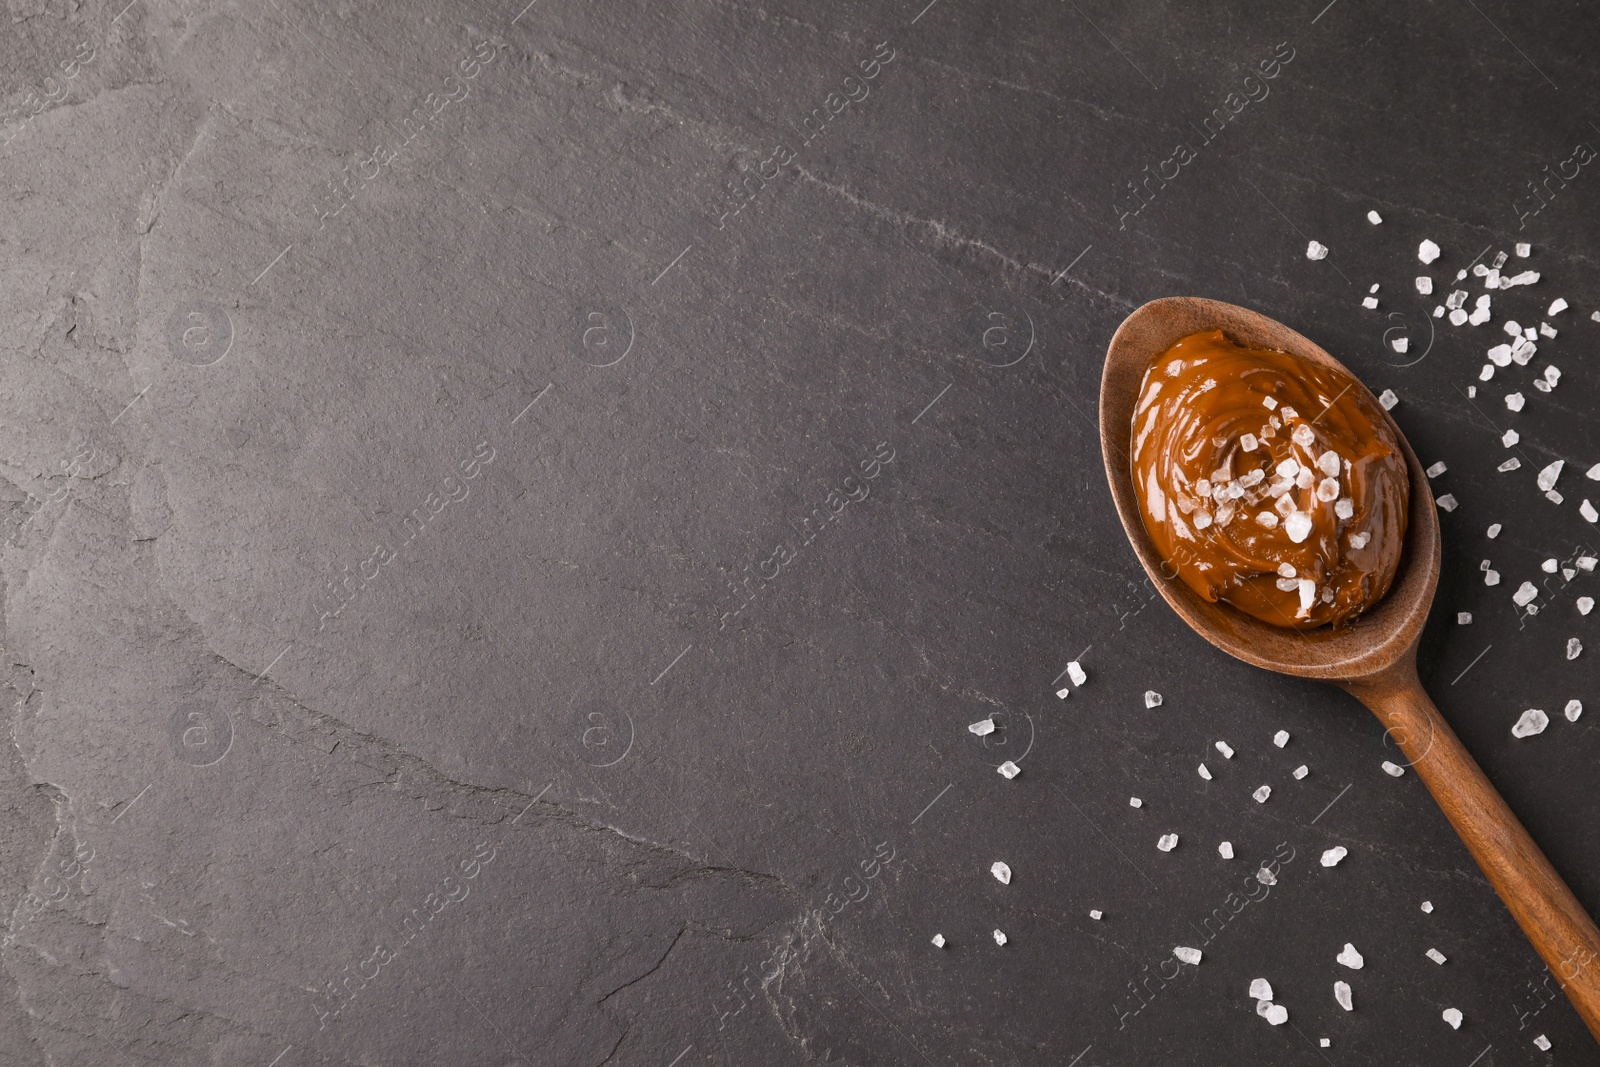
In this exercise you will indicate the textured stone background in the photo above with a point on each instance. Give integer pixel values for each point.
(588, 770)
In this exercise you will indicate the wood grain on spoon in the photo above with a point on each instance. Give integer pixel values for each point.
(1374, 658)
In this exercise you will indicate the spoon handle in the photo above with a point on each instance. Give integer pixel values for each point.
(1539, 900)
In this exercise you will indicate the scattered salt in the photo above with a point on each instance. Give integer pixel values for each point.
(1523, 248)
(1549, 566)
(999, 938)
(1557, 306)
(1533, 721)
(1574, 648)
(1388, 399)
(1437, 469)
(1332, 857)
(1510, 465)
(1095, 913)
(1260, 989)
(1525, 593)
(1205, 772)
(1262, 794)
(938, 940)
(1281, 738)
(1510, 437)
(1370, 303)
(1457, 317)
(1301, 771)
(1427, 907)
(1448, 502)
(1225, 850)
(1168, 842)
(983, 727)
(1075, 672)
(1463, 618)
(1190, 956)
(1585, 603)
(1425, 285)
(1276, 1014)
(1453, 1017)
(1009, 769)
(1491, 577)
(1224, 748)
(1341, 993)
(1392, 770)
(1001, 872)
(1135, 802)
(1316, 250)
(1427, 251)
(1376, 219)
(1152, 699)
(1493, 531)
(1266, 877)
(1350, 957)
(1514, 401)
(1587, 510)
(1063, 692)
(1435, 955)
(1542, 1043)
(1400, 344)
(1324, 1042)
(1548, 476)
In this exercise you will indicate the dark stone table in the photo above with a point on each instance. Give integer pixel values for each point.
(511, 511)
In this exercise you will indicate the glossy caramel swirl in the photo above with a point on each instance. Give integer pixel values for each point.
(1268, 481)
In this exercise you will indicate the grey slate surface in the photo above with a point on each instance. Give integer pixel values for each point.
(479, 590)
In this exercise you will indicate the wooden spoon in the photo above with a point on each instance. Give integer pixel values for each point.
(1374, 659)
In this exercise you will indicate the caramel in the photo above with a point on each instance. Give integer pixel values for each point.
(1269, 482)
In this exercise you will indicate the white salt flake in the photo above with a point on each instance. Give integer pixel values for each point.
(1554, 496)
(1557, 306)
(1332, 857)
(1260, 989)
(1095, 913)
(1586, 563)
(1262, 794)
(1370, 303)
(999, 937)
(1392, 770)
(1533, 721)
(1009, 769)
(1574, 648)
(1525, 593)
(1542, 1043)
(1225, 850)
(1500, 356)
(1437, 469)
(1323, 1042)
(1448, 502)
(938, 940)
(1587, 510)
(1152, 699)
(1491, 577)
(1458, 317)
(1479, 317)
(1463, 618)
(1063, 692)
(1512, 327)
(1425, 285)
(1547, 477)
(1400, 344)
(983, 727)
(1168, 842)
(1135, 802)
(1453, 1017)
(1001, 872)
(1344, 508)
(1276, 1014)
(1546, 330)
(1341, 993)
(1266, 877)
(1075, 672)
(1585, 605)
(1350, 957)
(1301, 771)
(1514, 401)
(1224, 748)
(1187, 955)
(1510, 465)
(1204, 772)
(1427, 907)
(1510, 437)
(1316, 250)
(1281, 738)
(1523, 249)
(1493, 531)
(1427, 251)
(1435, 955)
(1388, 399)
(1376, 219)
(1298, 527)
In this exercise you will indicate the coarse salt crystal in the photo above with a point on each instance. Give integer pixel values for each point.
(1437, 469)
(1549, 566)
(1509, 465)
(1316, 250)
(1323, 1042)
(1585, 603)
(1009, 769)
(1586, 563)
(1463, 618)
(1458, 317)
(1266, 877)
(1168, 842)
(938, 940)
(1224, 748)
(1586, 509)
(1341, 993)
(1350, 957)
(1573, 709)
(1435, 955)
(1301, 771)
(1574, 648)
(1510, 437)
(1448, 502)
(1392, 770)
(1546, 330)
(1344, 508)
(1187, 955)
(1359, 540)
(1204, 772)
(1514, 401)
(1152, 699)
(1095, 913)
(1533, 721)
(1303, 434)
(1376, 219)
(1542, 1043)
(999, 937)
(983, 727)
(1388, 399)
(1512, 327)
(1453, 1017)
(1225, 850)
(1260, 989)
(1500, 356)
(1525, 593)
(1493, 531)
(1281, 738)
(1063, 692)
(1425, 285)
(1427, 251)
(1427, 907)
(1297, 526)
(1276, 1014)
(1369, 302)
(1557, 306)
(1332, 857)
(1548, 476)
(1400, 344)
(1262, 794)
(1075, 672)
(1269, 402)
(1491, 577)
(1001, 872)
(1523, 248)
(1248, 442)
(1479, 317)
(1135, 802)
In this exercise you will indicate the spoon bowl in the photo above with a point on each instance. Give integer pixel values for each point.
(1373, 657)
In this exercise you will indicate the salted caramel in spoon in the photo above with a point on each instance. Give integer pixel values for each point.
(1268, 482)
